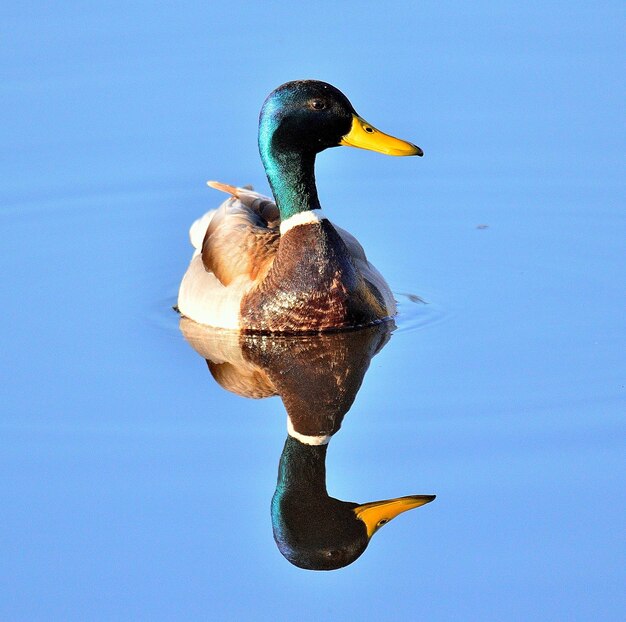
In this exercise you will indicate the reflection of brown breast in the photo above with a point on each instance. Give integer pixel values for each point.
(316, 376)
(313, 283)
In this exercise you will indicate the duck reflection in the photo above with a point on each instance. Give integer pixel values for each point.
(317, 378)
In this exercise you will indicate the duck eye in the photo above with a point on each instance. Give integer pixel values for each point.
(318, 104)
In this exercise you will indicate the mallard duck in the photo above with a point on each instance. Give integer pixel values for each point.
(317, 378)
(281, 266)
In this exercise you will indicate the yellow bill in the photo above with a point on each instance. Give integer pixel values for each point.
(378, 513)
(366, 136)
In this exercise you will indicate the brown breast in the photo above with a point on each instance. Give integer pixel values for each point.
(313, 285)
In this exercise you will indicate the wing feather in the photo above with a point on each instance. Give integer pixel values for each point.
(369, 272)
(241, 237)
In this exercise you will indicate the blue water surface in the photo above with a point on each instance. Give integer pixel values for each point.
(132, 487)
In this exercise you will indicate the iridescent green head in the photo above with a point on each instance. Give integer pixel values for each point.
(304, 116)
(298, 120)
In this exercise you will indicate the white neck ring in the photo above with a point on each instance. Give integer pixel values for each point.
(310, 217)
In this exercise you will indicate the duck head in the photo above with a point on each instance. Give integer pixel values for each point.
(299, 120)
(318, 532)
(308, 115)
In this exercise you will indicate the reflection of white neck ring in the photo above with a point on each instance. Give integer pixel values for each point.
(303, 438)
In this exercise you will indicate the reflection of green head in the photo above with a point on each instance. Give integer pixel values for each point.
(318, 532)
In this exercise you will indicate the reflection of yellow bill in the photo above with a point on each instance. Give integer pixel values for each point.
(366, 136)
(376, 514)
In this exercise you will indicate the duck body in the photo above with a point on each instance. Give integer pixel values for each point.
(281, 266)
(246, 275)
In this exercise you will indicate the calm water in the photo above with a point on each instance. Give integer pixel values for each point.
(132, 486)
